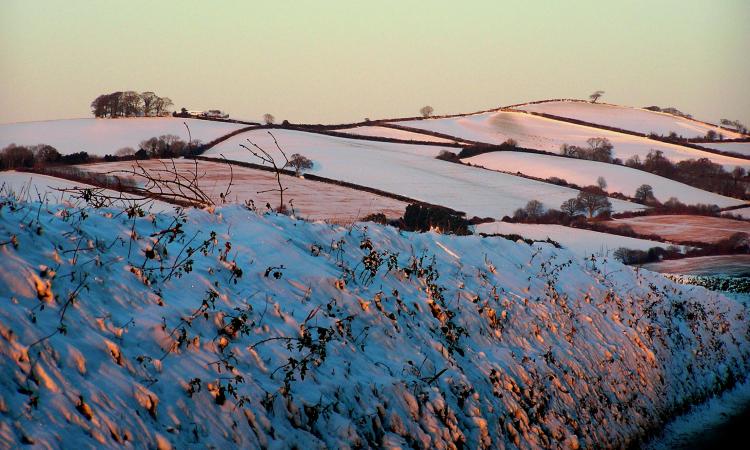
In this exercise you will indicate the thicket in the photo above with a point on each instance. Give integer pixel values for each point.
(130, 104)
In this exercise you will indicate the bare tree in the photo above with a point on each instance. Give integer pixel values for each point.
(426, 111)
(266, 158)
(148, 100)
(162, 105)
(300, 163)
(570, 207)
(602, 183)
(596, 96)
(644, 193)
(594, 201)
(268, 118)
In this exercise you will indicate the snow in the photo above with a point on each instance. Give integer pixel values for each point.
(312, 200)
(742, 212)
(742, 148)
(393, 133)
(579, 241)
(106, 136)
(703, 422)
(628, 118)
(483, 343)
(409, 170)
(584, 173)
(32, 186)
(544, 134)
(720, 265)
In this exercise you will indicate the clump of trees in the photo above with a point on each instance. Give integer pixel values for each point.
(25, 157)
(597, 149)
(449, 156)
(130, 104)
(669, 110)
(591, 202)
(735, 125)
(268, 118)
(423, 217)
(701, 173)
(164, 146)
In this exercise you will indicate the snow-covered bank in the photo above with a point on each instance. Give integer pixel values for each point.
(706, 425)
(232, 329)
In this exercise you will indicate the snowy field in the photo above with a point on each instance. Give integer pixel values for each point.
(678, 227)
(106, 136)
(742, 212)
(283, 334)
(409, 170)
(584, 173)
(548, 135)
(35, 187)
(311, 200)
(581, 242)
(724, 265)
(742, 148)
(628, 118)
(393, 133)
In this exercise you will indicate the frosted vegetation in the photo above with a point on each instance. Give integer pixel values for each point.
(221, 327)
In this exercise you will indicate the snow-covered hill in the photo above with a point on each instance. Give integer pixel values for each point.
(547, 134)
(103, 136)
(628, 118)
(392, 133)
(583, 243)
(742, 148)
(584, 173)
(409, 170)
(230, 329)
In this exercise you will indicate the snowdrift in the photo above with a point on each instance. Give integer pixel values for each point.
(106, 136)
(232, 329)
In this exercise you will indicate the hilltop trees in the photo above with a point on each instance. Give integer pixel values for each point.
(130, 104)
(426, 111)
(734, 124)
(533, 210)
(596, 96)
(268, 118)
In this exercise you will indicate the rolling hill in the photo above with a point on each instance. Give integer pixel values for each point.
(548, 135)
(627, 118)
(106, 136)
(409, 170)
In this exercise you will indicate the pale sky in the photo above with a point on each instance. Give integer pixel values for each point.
(341, 61)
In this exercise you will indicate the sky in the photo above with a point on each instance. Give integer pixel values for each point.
(341, 61)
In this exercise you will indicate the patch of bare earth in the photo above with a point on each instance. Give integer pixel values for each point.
(684, 227)
(312, 200)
